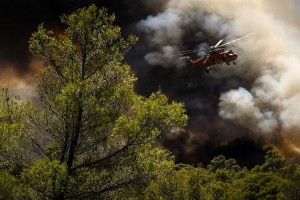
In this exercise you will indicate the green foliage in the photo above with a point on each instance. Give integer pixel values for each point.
(186, 183)
(259, 185)
(45, 178)
(220, 163)
(92, 135)
(291, 173)
(224, 179)
(13, 115)
(9, 186)
(148, 118)
(273, 162)
(223, 169)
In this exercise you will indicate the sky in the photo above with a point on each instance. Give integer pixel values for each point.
(239, 111)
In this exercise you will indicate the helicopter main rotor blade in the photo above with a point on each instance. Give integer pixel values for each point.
(236, 40)
(218, 43)
(188, 51)
(192, 51)
(183, 57)
(184, 53)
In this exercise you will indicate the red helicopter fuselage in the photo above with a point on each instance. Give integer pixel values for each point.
(214, 58)
(216, 55)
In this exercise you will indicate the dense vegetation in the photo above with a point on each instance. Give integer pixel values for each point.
(224, 179)
(91, 136)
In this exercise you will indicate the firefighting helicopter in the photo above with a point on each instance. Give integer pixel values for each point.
(216, 55)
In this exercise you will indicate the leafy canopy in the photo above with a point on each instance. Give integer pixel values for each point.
(92, 135)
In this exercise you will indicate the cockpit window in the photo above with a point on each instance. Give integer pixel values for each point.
(230, 53)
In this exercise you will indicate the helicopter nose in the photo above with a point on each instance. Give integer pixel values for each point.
(233, 55)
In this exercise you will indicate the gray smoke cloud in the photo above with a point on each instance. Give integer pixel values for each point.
(257, 98)
(261, 93)
(22, 84)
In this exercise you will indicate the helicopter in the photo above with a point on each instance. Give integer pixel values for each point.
(216, 55)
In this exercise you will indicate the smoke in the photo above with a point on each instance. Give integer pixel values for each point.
(238, 105)
(21, 83)
(256, 100)
(19, 19)
(259, 97)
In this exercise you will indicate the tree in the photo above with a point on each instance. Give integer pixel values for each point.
(273, 162)
(220, 163)
(224, 169)
(291, 173)
(13, 112)
(185, 183)
(91, 136)
(257, 185)
(224, 179)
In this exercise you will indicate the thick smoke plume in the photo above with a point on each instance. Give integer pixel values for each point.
(19, 19)
(21, 83)
(234, 110)
(258, 98)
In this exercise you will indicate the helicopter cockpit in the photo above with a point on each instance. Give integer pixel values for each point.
(230, 53)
